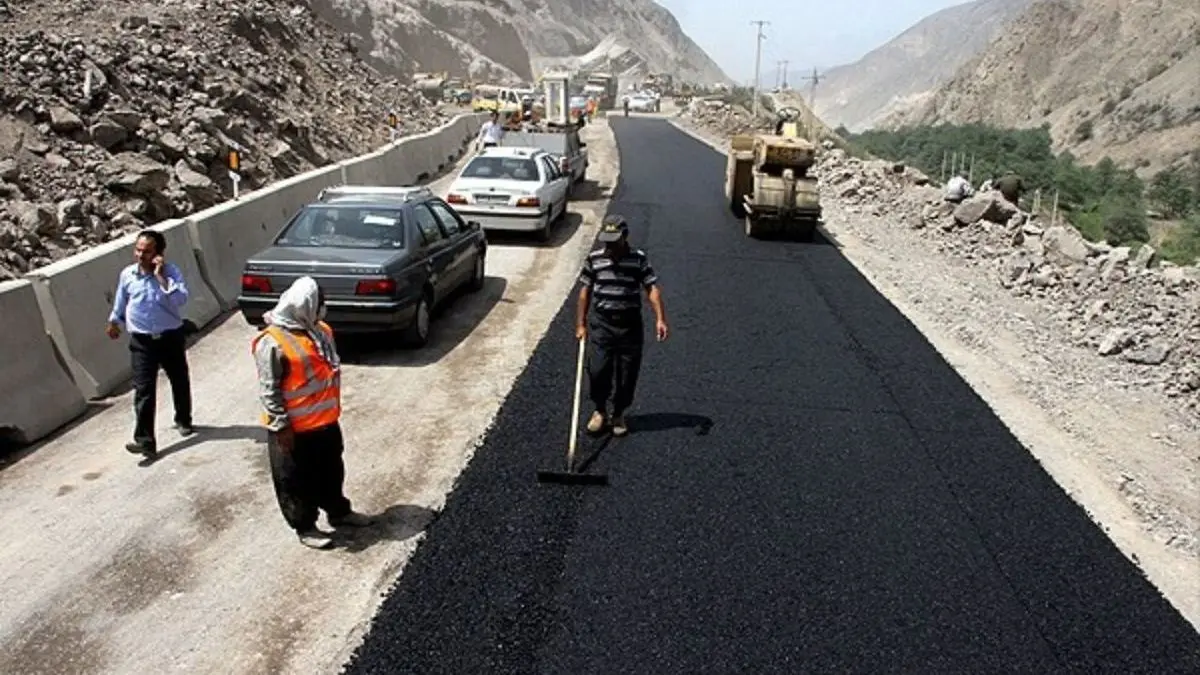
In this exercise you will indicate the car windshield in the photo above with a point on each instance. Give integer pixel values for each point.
(345, 227)
(502, 168)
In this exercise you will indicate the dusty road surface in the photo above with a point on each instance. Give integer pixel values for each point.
(808, 486)
(185, 565)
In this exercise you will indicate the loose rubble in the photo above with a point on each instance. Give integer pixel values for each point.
(1119, 303)
(724, 118)
(116, 116)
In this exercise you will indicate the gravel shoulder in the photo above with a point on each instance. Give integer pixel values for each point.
(186, 564)
(1119, 446)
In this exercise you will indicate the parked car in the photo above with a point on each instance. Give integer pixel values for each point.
(384, 256)
(521, 189)
(577, 108)
(644, 103)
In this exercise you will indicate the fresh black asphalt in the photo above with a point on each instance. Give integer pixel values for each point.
(808, 488)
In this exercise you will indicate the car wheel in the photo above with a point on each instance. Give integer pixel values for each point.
(417, 333)
(477, 273)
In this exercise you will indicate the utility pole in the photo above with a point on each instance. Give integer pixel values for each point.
(757, 60)
(812, 97)
(785, 67)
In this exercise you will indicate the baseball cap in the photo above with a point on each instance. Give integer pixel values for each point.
(612, 228)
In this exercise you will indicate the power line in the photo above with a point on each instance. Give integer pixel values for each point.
(812, 97)
(758, 59)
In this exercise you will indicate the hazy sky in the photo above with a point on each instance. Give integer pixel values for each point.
(845, 30)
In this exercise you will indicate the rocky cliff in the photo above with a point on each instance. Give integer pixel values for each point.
(909, 67)
(1111, 77)
(116, 115)
(518, 38)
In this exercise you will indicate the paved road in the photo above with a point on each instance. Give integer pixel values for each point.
(808, 488)
(185, 565)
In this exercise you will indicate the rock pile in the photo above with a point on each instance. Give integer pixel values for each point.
(1119, 302)
(724, 118)
(114, 117)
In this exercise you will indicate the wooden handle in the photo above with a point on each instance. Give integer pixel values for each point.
(575, 405)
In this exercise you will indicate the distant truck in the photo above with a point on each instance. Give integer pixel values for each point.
(561, 141)
(602, 87)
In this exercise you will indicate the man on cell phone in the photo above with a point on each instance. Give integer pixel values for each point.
(149, 302)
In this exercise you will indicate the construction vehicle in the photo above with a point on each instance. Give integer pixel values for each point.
(789, 123)
(768, 186)
(602, 87)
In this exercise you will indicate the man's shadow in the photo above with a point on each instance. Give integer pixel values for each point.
(396, 523)
(209, 433)
(666, 421)
(644, 423)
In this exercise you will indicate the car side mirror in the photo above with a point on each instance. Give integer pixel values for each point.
(473, 225)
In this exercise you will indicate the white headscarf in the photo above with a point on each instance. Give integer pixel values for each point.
(299, 309)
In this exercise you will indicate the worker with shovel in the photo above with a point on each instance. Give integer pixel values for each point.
(613, 278)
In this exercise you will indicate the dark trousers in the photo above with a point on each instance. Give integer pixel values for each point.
(615, 358)
(168, 351)
(310, 476)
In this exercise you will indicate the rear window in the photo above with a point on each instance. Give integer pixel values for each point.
(345, 227)
(504, 168)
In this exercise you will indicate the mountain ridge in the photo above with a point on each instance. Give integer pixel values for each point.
(1110, 77)
(516, 39)
(907, 68)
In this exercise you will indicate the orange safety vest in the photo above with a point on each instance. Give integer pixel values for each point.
(312, 390)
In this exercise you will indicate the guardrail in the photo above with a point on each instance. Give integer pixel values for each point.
(54, 354)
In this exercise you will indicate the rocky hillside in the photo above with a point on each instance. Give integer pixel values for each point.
(1111, 77)
(517, 38)
(905, 70)
(121, 113)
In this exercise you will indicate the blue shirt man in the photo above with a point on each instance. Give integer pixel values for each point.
(149, 301)
(145, 304)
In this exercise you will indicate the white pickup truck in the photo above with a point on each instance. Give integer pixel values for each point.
(563, 142)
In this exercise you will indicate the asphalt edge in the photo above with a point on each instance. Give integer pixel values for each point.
(356, 637)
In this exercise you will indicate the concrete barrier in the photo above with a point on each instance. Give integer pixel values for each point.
(76, 295)
(372, 169)
(414, 158)
(39, 395)
(228, 234)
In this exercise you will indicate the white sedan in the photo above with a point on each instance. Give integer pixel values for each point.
(512, 188)
(643, 103)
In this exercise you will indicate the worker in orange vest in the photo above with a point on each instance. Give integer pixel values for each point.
(299, 376)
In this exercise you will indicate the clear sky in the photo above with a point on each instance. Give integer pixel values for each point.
(844, 32)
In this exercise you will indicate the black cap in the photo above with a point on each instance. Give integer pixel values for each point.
(612, 228)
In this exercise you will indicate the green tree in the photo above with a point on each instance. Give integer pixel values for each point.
(1124, 220)
(1171, 193)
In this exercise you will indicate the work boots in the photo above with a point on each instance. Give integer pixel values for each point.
(314, 538)
(596, 422)
(619, 428)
